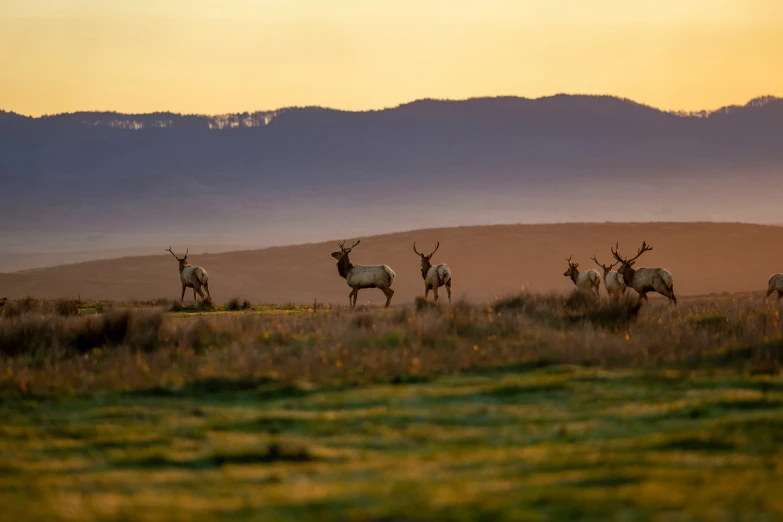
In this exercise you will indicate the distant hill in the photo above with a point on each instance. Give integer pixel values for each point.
(487, 261)
(299, 174)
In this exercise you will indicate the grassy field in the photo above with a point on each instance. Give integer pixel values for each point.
(536, 407)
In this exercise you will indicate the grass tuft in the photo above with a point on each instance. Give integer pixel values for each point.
(236, 304)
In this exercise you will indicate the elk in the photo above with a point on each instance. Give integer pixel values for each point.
(585, 280)
(613, 281)
(193, 277)
(645, 280)
(775, 285)
(363, 276)
(434, 276)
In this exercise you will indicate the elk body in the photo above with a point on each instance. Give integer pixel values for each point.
(363, 276)
(775, 285)
(193, 277)
(645, 280)
(434, 276)
(585, 280)
(613, 281)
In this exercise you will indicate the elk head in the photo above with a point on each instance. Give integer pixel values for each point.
(344, 251)
(426, 262)
(606, 268)
(573, 269)
(183, 261)
(626, 265)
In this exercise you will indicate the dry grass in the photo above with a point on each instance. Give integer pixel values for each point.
(131, 348)
(536, 407)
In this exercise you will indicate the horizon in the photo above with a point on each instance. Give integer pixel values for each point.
(678, 112)
(200, 58)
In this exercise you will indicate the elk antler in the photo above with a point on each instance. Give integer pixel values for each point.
(342, 246)
(569, 259)
(186, 253)
(437, 246)
(616, 253)
(172, 253)
(644, 248)
(414, 249)
(605, 267)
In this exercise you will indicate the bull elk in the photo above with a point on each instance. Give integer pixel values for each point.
(363, 276)
(613, 281)
(588, 280)
(193, 277)
(775, 284)
(434, 276)
(645, 280)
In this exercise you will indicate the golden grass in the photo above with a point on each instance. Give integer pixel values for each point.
(537, 407)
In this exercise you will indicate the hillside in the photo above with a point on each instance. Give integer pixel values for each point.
(299, 174)
(487, 261)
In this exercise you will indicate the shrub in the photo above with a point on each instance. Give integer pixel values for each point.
(57, 335)
(67, 307)
(22, 306)
(364, 321)
(423, 305)
(235, 304)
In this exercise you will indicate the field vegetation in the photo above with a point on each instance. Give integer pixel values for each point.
(533, 407)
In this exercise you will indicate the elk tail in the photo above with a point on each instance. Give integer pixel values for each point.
(445, 275)
(390, 273)
(668, 281)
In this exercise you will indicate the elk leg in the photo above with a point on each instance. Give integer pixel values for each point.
(448, 289)
(182, 298)
(435, 293)
(197, 288)
(426, 291)
(389, 293)
(194, 295)
(780, 294)
(206, 287)
(643, 296)
(352, 297)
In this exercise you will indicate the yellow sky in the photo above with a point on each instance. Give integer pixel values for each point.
(209, 56)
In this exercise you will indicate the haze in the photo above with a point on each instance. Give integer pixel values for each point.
(201, 56)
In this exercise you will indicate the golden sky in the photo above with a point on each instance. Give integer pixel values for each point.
(210, 56)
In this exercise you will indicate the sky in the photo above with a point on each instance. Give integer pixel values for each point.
(209, 57)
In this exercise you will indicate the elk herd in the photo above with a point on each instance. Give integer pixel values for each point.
(358, 277)
(642, 280)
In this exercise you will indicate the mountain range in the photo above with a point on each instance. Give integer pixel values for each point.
(86, 181)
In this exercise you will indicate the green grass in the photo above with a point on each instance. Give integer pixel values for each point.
(533, 408)
(554, 443)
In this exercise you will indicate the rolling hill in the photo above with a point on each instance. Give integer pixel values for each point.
(487, 261)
